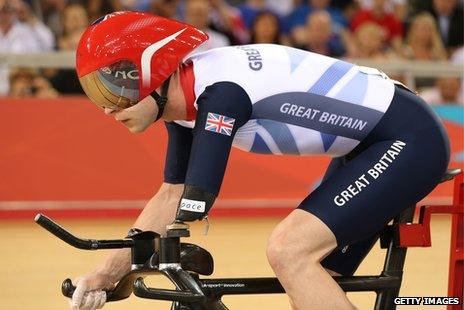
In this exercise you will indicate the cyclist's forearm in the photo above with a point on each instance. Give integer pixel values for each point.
(159, 212)
(161, 209)
(116, 265)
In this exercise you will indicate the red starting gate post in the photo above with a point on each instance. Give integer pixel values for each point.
(418, 235)
(456, 263)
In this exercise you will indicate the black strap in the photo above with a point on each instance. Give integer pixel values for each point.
(162, 99)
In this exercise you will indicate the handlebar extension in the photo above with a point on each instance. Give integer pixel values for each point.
(84, 244)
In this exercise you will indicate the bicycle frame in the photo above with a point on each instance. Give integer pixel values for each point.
(193, 293)
(183, 268)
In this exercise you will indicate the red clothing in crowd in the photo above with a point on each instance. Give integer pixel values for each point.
(389, 22)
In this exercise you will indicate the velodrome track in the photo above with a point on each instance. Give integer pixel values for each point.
(35, 263)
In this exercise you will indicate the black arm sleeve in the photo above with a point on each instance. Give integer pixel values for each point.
(177, 154)
(210, 149)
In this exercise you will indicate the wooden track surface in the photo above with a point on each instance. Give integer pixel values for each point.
(34, 263)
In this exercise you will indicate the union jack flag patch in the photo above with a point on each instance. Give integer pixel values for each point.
(219, 123)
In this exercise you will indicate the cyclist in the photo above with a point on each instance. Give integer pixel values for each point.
(389, 149)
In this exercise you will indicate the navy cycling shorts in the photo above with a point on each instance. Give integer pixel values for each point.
(398, 164)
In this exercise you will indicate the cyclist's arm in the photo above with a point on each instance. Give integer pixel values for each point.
(195, 158)
(161, 209)
(221, 103)
(159, 212)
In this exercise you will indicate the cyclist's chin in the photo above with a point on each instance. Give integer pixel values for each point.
(133, 127)
(136, 129)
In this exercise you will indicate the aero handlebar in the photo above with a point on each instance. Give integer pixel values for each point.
(124, 287)
(84, 244)
(142, 246)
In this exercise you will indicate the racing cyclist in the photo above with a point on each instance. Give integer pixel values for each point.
(389, 149)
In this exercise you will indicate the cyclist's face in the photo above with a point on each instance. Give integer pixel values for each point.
(136, 118)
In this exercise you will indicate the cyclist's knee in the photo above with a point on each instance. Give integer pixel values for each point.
(278, 251)
(299, 237)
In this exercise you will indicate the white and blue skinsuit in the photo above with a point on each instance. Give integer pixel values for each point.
(388, 147)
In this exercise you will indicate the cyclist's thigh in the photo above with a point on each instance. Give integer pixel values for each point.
(362, 196)
(345, 260)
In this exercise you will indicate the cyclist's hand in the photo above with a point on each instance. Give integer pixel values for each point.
(89, 293)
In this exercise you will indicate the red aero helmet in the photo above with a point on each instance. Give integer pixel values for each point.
(124, 56)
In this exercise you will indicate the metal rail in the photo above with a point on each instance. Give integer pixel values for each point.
(407, 68)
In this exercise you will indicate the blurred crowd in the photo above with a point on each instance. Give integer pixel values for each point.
(381, 30)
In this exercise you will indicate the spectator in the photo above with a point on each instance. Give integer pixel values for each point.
(390, 24)
(417, 6)
(28, 83)
(423, 41)
(97, 8)
(265, 28)
(299, 16)
(197, 14)
(75, 21)
(450, 19)
(319, 36)
(135, 5)
(165, 8)
(18, 37)
(280, 7)
(370, 38)
(397, 7)
(458, 59)
(51, 11)
(458, 56)
(228, 20)
(250, 9)
(44, 36)
(348, 7)
(296, 22)
(447, 90)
